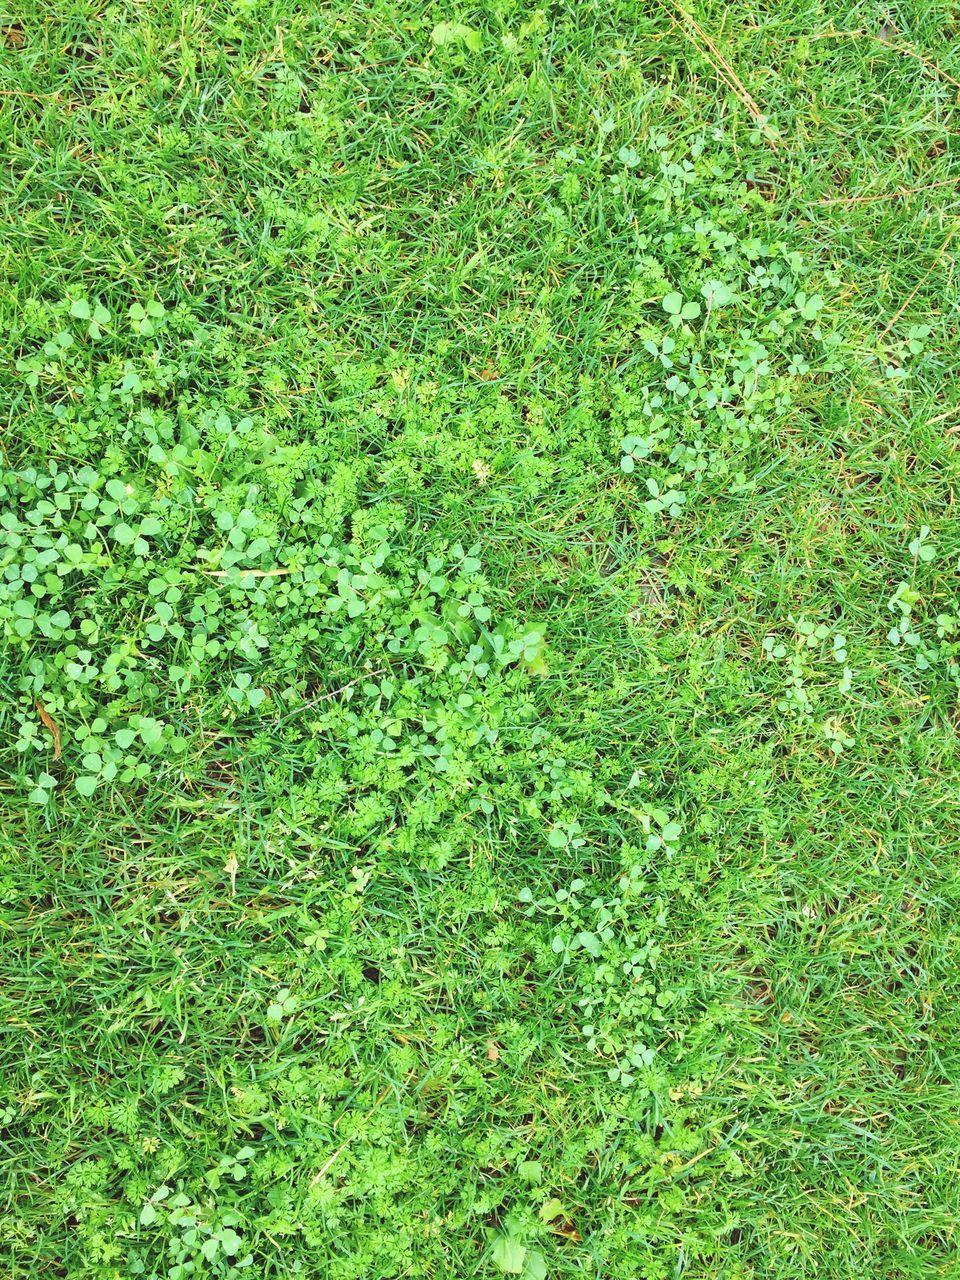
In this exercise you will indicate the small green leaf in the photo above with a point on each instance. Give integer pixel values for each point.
(552, 1209)
(456, 33)
(535, 1267)
(230, 1242)
(809, 307)
(509, 1255)
(151, 731)
(717, 293)
(672, 304)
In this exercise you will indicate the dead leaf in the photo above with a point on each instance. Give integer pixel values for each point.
(493, 1051)
(565, 1229)
(48, 722)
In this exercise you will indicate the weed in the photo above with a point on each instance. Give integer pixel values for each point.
(481, 641)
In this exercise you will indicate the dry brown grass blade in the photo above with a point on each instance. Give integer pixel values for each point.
(933, 67)
(721, 66)
(888, 195)
(328, 1164)
(48, 722)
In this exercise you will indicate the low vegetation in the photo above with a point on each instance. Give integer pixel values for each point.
(481, 640)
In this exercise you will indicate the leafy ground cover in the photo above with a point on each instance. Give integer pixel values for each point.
(481, 640)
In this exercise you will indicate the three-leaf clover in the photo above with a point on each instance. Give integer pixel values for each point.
(283, 1004)
(919, 548)
(678, 310)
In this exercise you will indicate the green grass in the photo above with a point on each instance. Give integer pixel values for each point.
(480, 783)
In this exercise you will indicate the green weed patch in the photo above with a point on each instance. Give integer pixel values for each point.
(480, 641)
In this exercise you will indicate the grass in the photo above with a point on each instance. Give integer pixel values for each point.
(481, 663)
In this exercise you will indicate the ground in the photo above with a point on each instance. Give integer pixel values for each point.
(481, 632)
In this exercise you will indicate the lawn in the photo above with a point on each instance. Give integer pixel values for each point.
(480, 627)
